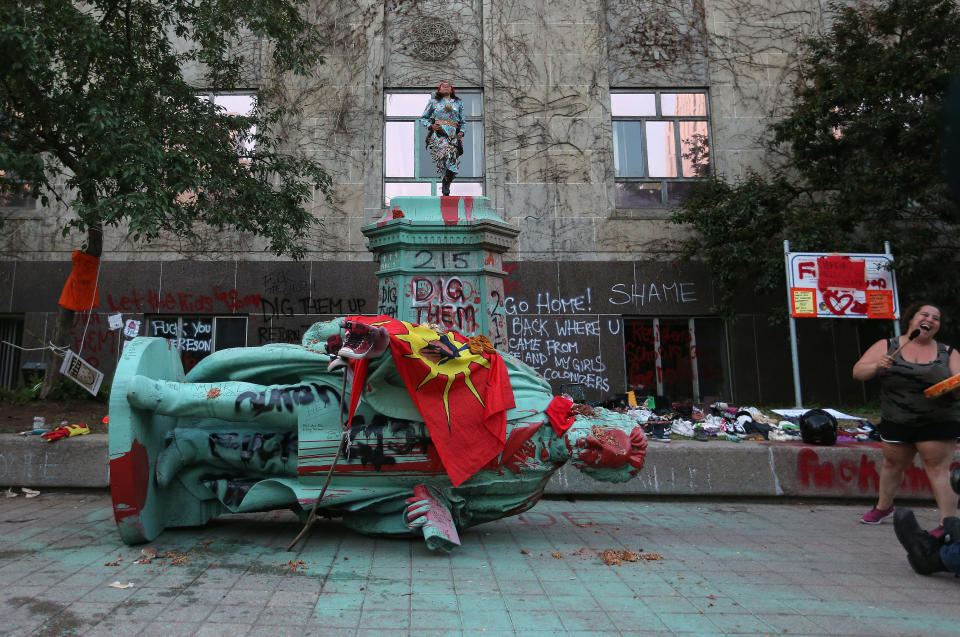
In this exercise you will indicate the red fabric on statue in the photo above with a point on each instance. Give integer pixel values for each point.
(558, 412)
(463, 397)
(80, 290)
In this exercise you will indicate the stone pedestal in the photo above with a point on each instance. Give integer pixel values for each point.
(441, 261)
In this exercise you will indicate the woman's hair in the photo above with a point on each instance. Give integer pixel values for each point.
(913, 308)
(453, 94)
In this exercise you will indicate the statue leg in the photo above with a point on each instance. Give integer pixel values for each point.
(243, 451)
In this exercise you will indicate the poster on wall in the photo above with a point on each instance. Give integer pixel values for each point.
(81, 372)
(831, 285)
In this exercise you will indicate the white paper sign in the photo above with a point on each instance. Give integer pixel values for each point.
(116, 321)
(132, 328)
(81, 372)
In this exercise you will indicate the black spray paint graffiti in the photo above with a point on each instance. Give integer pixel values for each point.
(286, 398)
(230, 491)
(405, 437)
(263, 446)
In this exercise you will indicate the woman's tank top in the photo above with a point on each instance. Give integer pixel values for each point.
(901, 390)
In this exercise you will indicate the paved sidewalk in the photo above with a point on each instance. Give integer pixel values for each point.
(727, 567)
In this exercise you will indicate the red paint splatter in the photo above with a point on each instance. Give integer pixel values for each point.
(449, 210)
(129, 481)
(516, 449)
(468, 208)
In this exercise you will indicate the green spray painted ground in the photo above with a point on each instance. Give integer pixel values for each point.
(724, 568)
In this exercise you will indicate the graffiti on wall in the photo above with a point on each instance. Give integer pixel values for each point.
(451, 301)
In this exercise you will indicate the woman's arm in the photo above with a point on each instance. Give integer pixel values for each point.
(462, 120)
(427, 116)
(873, 361)
(954, 370)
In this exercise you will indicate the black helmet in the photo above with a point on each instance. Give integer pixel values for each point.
(818, 427)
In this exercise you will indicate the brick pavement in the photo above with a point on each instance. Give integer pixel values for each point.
(727, 567)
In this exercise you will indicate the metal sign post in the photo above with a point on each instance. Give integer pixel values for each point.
(793, 332)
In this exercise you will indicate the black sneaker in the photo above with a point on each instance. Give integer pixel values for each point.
(699, 433)
(923, 549)
(660, 432)
(951, 530)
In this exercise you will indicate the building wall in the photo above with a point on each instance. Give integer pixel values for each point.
(546, 71)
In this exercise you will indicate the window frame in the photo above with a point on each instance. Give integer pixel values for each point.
(658, 116)
(433, 180)
(693, 355)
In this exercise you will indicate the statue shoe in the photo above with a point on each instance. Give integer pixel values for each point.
(923, 549)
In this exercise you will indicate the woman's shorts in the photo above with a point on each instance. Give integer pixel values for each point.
(896, 433)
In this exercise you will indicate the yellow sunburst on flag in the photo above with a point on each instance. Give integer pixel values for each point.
(444, 355)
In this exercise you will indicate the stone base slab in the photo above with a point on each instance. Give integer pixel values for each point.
(680, 468)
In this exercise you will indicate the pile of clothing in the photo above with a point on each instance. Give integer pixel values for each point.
(723, 422)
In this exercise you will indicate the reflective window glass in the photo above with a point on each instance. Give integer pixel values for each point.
(397, 149)
(683, 104)
(635, 194)
(628, 153)
(633, 104)
(406, 104)
(694, 149)
(661, 149)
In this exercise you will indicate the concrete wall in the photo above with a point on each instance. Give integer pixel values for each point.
(713, 469)
(567, 320)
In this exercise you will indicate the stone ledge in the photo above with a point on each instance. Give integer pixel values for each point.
(30, 461)
(721, 468)
(681, 468)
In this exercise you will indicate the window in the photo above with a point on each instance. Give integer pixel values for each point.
(407, 167)
(11, 331)
(661, 146)
(197, 336)
(17, 194)
(237, 104)
(683, 358)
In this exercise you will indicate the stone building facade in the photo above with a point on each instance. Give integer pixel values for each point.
(589, 119)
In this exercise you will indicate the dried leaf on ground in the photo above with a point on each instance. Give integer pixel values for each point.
(613, 557)
(177, 559)
(120, 585)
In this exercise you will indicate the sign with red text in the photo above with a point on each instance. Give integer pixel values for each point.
(825, 285)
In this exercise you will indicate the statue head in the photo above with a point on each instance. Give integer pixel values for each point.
(606, 445)
(345, 339)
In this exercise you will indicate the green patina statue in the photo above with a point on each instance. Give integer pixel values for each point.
(419, 430)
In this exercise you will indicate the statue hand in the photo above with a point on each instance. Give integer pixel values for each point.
(416, 512)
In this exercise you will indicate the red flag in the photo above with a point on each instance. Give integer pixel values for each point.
(463, 397)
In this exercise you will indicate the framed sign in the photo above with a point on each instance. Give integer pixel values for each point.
(830, 285)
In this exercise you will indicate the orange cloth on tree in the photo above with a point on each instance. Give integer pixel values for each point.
(80, 291)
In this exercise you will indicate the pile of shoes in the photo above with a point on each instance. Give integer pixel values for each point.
(662, 419)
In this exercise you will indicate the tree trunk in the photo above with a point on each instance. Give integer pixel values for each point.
(63, 328)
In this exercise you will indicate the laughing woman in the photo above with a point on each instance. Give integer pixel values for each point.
(444, 117)
(910, 422)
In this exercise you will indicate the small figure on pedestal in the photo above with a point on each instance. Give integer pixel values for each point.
(444, 119)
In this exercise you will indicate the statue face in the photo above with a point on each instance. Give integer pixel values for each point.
(359, 341)
(608, 446)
